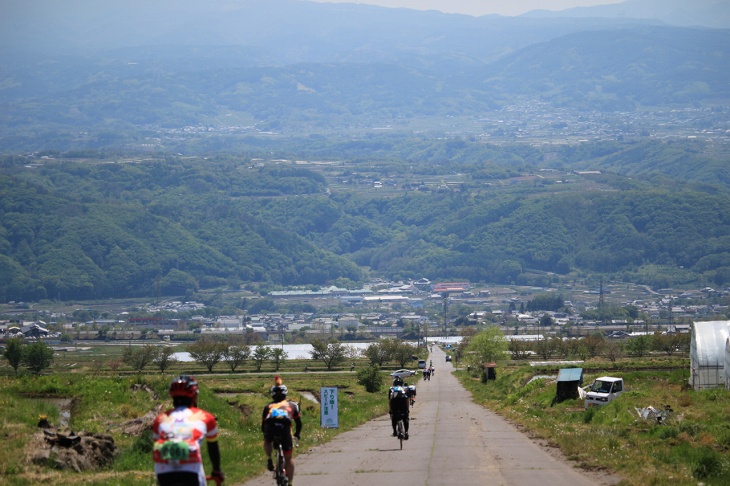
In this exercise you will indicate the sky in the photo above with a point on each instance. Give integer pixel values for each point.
(481, 7)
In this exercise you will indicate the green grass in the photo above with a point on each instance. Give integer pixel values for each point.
(103, 404)
(692, 447)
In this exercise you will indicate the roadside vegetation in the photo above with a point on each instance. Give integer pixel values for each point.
(111, 405)
(691, 447)
(116, 391)
(105, 394)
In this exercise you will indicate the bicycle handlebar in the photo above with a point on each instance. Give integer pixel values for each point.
(218, 480)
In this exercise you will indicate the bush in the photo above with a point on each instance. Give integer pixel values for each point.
(371, 378)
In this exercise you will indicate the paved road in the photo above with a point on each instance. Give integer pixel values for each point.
(452, 442)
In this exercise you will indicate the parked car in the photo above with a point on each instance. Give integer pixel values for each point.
(421, 364)
(402, 373)
(448, 358)
(604, 390)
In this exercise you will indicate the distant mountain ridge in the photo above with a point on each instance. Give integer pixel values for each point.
(115, 69)
(683, 13)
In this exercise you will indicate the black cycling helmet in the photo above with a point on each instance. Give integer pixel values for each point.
(279, 389)
(397, 381)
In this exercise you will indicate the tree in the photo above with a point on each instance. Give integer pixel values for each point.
(207, 351)
(518, 348)
(261, 354)
(236, 353)
(402, 352)
(669, 343)
(639, 345)
(546, 320)
(592, 344)
(487, 346)
(377, 353)
(546, 348)
(14, 352)
(37, 356)
(164, 358)
(278, 355)
(139, 358)
(613, 350)
(330, 353)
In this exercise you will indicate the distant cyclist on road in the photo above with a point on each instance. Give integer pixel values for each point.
(398, 406)
(178, 435)
(411, 393)
(277, 420)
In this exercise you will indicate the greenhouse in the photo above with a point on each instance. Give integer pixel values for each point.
(708, 354)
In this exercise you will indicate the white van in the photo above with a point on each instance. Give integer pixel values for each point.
(421, 364)
(604, 390)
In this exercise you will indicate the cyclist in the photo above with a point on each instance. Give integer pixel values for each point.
(277, 420)
(398, 408)
(411, 392)
(178, 435)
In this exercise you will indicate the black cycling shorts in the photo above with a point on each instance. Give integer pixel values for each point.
(275, 431)
(180, 478)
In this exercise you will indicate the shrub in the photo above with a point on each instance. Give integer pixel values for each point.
(371, 378)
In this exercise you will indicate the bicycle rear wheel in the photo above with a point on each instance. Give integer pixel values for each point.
(281, 479)
(401, 432)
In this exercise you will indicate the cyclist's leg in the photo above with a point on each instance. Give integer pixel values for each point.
(393, 422)
(268, 449)
(289, 464)
(288, 445)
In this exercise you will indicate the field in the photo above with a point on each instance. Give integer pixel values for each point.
(690, 447)
(103, 403)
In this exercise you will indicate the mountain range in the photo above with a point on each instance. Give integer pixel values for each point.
(285, 65)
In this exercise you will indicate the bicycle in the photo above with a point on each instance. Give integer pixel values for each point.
(279, 469)
(400, 429)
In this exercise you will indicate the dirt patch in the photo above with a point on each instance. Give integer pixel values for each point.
(138, 387)
(66, 449)
(135, 427)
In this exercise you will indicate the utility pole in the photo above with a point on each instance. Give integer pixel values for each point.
(445, 295)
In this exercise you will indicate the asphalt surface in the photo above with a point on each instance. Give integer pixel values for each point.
(452, 441)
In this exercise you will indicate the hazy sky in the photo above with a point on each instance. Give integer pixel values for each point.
(481, 7)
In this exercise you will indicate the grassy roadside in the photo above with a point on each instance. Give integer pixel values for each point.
(108, 404)
(692, 447)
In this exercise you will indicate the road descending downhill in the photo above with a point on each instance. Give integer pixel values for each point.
(452, 442)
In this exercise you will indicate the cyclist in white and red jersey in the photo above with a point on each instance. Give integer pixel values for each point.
(178, 435)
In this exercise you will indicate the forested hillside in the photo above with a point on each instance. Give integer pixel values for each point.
(74, 228)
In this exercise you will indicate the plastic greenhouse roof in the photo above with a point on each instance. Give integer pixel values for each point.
(708, 341)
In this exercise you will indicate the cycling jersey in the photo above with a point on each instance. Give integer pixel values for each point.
(178, 435)
(277, 419)
(398, 397)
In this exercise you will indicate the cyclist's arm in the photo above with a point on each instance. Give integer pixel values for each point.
(215, 456)
(263, 417)
(298, 429)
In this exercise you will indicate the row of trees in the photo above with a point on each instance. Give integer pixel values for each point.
(36, 356)
(491, 345)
